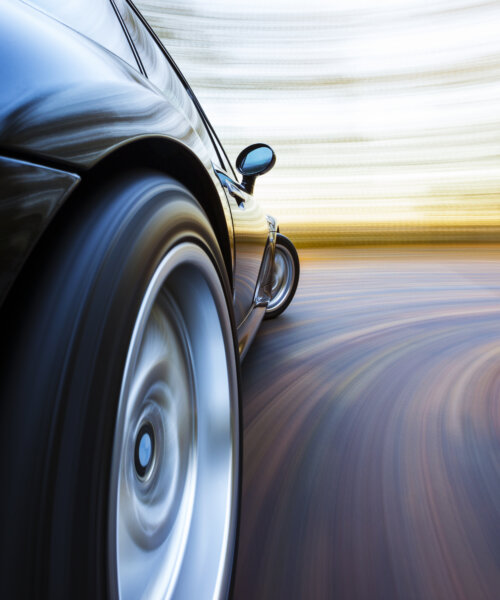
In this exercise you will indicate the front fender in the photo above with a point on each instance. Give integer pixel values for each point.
(68, 104)
(78, 101)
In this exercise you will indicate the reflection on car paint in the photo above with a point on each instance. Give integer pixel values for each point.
(30, 197)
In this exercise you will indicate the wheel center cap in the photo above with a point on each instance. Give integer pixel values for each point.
(144, 450)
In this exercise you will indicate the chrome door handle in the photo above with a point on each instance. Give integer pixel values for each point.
(233, 189)
(237, 194)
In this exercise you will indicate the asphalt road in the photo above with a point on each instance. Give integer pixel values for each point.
(372, 431)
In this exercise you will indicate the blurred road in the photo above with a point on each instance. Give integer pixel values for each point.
(372, 431)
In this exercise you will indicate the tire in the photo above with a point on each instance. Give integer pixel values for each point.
(120, 406)
(286, 271)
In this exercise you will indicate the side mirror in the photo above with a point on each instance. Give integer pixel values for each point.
(253, 161)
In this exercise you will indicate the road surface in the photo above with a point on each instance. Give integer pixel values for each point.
(372, 431)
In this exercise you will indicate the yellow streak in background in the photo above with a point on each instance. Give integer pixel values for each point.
(385, 116)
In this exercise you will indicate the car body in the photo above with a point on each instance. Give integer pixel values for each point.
(89, 95)
(49, 106)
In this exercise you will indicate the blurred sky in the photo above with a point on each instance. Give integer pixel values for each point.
(384, 115)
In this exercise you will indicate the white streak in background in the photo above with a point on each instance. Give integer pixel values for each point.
(379, 111)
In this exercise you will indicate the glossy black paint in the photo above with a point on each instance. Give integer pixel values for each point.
(70, 107)
(30, 197)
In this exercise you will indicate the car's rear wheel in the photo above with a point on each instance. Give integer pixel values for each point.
(285, 276)
(121, 405)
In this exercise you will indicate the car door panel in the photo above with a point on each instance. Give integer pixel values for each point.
(251, 234)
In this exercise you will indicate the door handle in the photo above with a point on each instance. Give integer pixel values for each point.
(232, 188)
(239, 195)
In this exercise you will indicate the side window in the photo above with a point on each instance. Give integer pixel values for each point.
(153, 60)
(161, 73)
(96, 19)
(225, 160)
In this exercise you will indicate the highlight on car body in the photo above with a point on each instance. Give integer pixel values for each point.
(136, 270)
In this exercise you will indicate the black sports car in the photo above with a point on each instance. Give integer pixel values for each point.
(135, 271)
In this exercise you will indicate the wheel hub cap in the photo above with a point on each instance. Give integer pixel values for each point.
(144, 450)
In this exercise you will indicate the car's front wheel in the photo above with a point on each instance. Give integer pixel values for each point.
(120, 405)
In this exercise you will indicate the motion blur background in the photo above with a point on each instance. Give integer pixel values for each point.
(371, 419)
(384, 114)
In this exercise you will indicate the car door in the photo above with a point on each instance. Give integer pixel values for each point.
(251, 232)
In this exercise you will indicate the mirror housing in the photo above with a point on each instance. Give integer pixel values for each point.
(253, 161)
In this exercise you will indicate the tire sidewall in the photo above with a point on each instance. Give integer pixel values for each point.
(74, 343)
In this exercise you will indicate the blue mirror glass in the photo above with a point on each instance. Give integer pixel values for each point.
(256, 161)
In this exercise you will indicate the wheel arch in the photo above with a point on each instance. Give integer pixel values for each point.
(176, 160)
